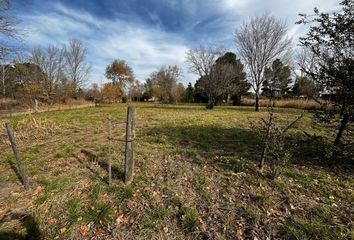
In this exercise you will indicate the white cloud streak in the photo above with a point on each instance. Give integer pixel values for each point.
(147, 47)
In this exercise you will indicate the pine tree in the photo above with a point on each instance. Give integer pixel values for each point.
(277, 80)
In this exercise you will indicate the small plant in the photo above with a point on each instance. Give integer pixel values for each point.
(73, 209)
(189, 219)
(100, 213)
(125, 193)
(273, 137)
(249, 213)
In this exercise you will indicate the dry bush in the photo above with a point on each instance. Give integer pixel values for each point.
(285, 103)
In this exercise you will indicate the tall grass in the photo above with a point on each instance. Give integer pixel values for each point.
(285, 103)
(6, 103)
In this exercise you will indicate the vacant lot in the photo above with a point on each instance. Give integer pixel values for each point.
(195, 178)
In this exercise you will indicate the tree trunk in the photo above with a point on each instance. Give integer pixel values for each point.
(265, 146)
(343, 124)
(236, 100)
(257, 102)
(337, 141)
(211, 103)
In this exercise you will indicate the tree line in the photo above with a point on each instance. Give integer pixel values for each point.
(48, 74)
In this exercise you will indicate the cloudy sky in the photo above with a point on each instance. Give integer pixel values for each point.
(149, 33)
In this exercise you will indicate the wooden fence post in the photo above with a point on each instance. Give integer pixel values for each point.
(109, 151)
(129, 140)
(20, 167)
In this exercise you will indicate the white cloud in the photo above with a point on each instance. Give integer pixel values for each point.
(145, 49)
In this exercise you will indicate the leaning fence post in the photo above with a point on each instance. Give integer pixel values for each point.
(109, 151)
(20, 167)
(129, 140)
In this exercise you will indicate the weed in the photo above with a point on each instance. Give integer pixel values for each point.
(189, 219)
(126, 193)
(249, 213)
(73, 209)
(99, 213)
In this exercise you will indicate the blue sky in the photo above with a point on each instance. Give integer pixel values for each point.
(149, 33)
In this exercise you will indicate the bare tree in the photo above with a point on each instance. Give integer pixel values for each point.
(7, 23)
(259, 41)
(166, 80)
(306, 61)
(135, 90)
(217, 83)
(201, 61)
(50, 60)
(77, 69)
(8, 29)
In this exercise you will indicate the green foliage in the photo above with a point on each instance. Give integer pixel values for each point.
(73, 209)
(99, 213)
(274, 144)
(189, 219)
(277, 80)
(125, 193)
(304, 86)
(190, 93)
(226, 78)
(316, 224)
(331, 42)
(249, 213)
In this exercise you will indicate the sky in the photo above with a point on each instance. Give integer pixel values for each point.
(149, 33)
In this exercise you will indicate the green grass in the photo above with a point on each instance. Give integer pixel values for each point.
(195, 175)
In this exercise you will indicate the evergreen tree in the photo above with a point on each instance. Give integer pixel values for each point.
(303, 86)
(189, 95)
(331, 42)
(277, 80)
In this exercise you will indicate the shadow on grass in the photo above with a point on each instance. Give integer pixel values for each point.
(231, 148)
(200, 108)
(175, 107)
(223, 147)
(315, 150)
(27, 221)
(92, 157)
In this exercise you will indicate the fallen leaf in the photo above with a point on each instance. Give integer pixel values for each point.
(292, 207)
(84, 229)
(53, 220)
(165, 229)
(239, 234)
(120, 219)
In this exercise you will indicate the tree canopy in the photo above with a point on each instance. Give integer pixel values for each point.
(259, 41)
(276, 79)
(331, 41)
(120, 73)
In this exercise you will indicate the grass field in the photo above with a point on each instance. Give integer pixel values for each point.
(195, 178)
